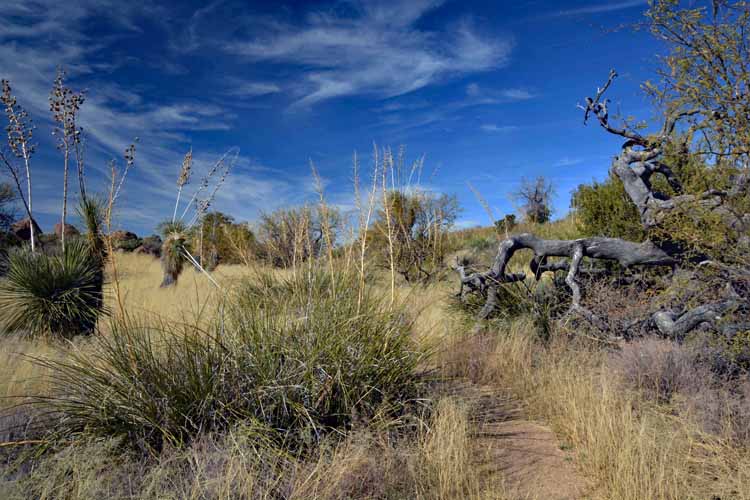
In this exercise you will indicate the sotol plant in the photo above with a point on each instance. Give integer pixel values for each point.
(58, 295)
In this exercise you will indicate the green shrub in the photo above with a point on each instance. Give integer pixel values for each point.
(219, 239)
(129, 245)
(410, 233)
(60, 295)
(506, 224)
(604, 209)
(293, 359)
(151, 245)
(480, 244)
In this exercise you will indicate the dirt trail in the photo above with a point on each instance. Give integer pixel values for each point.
(521, 457)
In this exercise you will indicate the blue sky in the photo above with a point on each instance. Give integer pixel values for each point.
(487, 91)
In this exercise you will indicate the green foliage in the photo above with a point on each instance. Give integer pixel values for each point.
(169, 227)
(507, 223)
(706, 71)
(219, 239)
(697, 228)
(739, 345)
(7, 216)
(604, 209)
(289, 236)
(129, 245)
(152, 244)
(59, 295)
(292, 359)
(7, 208)
(480, 244)
(411, 231)
(91, 210)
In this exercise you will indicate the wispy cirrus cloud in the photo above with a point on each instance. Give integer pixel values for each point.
(240, 88)
(38, 36)
(497, 129)
(568, 162)
(374, 49)
(496, 96)
(600, 8)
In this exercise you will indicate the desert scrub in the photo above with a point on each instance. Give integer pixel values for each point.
(292, 359)
(58, 295)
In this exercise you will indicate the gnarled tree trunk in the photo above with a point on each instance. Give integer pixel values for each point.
(638, 161)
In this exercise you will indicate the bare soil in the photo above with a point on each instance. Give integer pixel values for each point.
(523, 458)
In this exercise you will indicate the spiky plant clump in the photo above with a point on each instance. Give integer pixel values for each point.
(172, 251)
(58, 295)
(91, 211)
(294, 360)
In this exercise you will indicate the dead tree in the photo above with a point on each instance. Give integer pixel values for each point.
(535, 198)
(639, 160)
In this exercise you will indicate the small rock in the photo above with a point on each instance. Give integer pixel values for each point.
(70, 230)
(22, 231)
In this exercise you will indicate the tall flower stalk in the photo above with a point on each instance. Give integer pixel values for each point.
(174, 251)
(20, 131)
(65, 105)
(183, 179)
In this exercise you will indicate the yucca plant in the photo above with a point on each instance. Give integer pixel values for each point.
(175, 230)
(293, 359)
(91, 210)
(59, 295)
(172, 251)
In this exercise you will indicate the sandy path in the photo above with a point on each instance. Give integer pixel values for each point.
(521, 457)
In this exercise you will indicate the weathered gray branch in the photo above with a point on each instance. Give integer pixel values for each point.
(626, 253)
(635, 166)
(676, 325)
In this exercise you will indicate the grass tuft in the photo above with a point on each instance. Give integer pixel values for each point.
(290, 359)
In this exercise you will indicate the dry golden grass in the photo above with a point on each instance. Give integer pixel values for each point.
(435, 465)
(18, 374)
(629, 448)
(140, 276)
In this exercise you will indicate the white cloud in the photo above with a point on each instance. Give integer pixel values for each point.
(42, 35)
(568, 162)
(253, 89)
(494, 128)
(517, 94)
(601, 8)
(480, 95)
(378, 51)
(421, 113)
